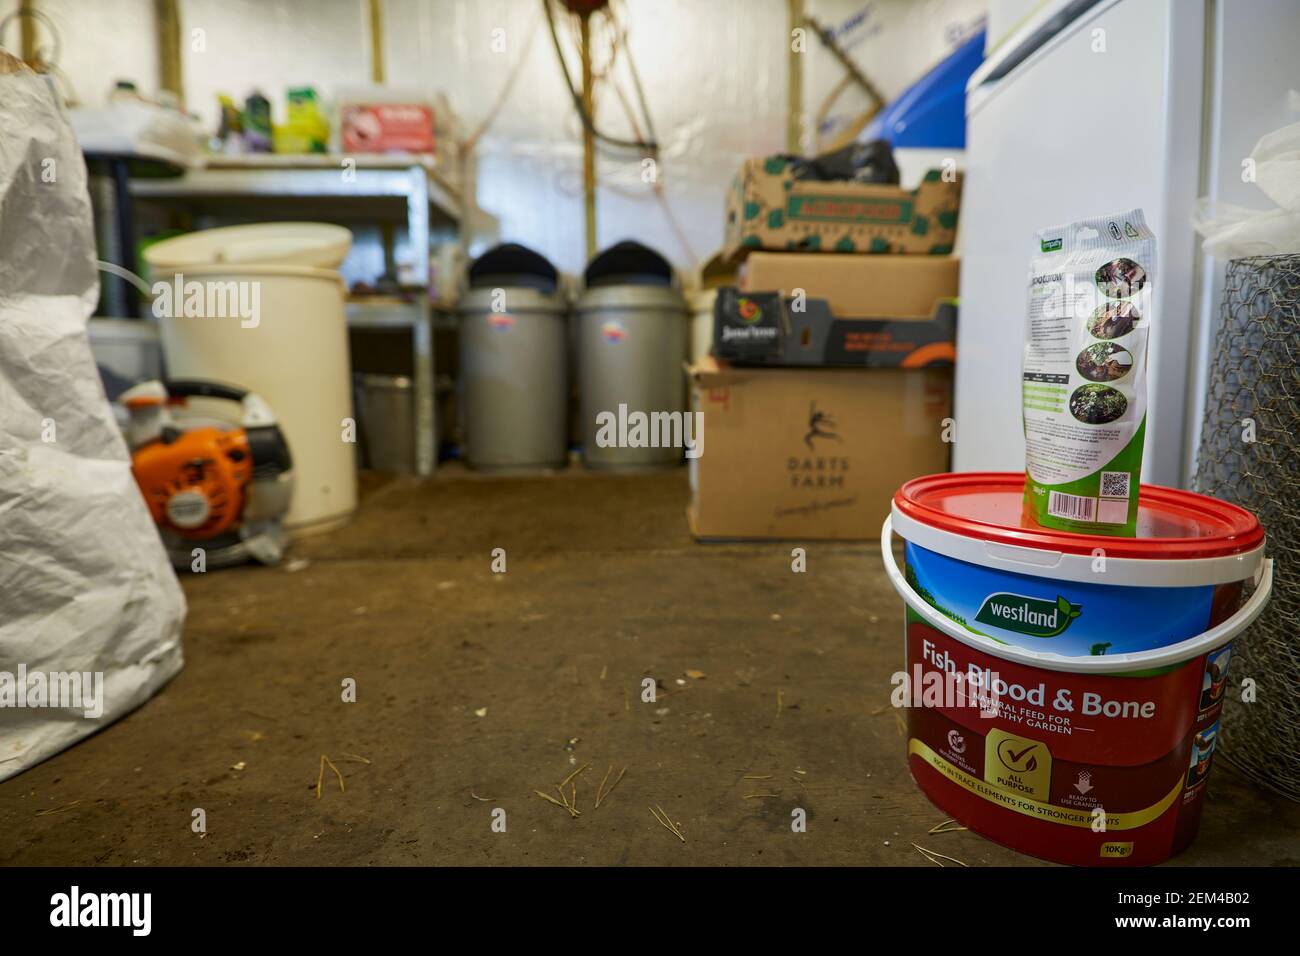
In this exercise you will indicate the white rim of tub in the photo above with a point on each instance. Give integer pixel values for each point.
(1079, 568)
(1178, 653)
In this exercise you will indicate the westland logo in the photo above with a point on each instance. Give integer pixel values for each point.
(1027, 615)
(749, 310)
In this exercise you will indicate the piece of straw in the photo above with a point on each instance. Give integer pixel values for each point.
(550, 798)
(330, 763)
(601, 792)
(945, 828)
(575, 773)
(931, 856)
(665, 822)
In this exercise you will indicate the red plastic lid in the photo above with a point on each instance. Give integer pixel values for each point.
(1171, 524)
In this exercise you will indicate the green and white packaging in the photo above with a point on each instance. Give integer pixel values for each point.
(1084, 373)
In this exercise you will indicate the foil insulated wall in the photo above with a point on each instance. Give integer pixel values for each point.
(714, 75)
(713, 72)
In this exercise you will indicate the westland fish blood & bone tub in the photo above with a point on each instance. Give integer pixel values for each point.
(1064, 690)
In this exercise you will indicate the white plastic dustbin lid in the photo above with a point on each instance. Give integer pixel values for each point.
(315, 244)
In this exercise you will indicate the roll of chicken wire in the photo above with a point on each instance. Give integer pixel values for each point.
(1250, 455)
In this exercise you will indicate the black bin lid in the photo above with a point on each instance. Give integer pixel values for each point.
(628, 263)
(513, 266)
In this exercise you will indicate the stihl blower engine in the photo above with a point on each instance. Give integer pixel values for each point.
(221, 488)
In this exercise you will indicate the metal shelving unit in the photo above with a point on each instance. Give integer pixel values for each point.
(416, 319)
(387, 190)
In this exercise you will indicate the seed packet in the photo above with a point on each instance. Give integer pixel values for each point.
(1084, 373)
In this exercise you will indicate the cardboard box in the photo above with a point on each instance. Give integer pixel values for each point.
(874, 311)
(768, 329)
(767, 208)
(899, 287)
(804, 454)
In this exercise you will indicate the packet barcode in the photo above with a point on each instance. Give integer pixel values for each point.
(1061, 505)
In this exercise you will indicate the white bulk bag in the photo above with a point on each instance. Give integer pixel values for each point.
(86, 591)
(1234, 232)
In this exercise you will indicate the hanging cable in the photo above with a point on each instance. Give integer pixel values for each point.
(657, 191)
(646, 142)
(621, 33)
(647, 146)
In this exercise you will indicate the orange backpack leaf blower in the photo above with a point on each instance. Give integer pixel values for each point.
(217, 493)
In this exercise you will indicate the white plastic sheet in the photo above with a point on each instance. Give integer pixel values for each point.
(1233, 232)
(138, 129)
(85, 586)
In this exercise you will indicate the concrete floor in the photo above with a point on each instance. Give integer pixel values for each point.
(476, 689)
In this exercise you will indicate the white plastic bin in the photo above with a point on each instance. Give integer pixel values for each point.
(295, 355)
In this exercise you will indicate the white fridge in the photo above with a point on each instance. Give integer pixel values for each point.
(1095, 106)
